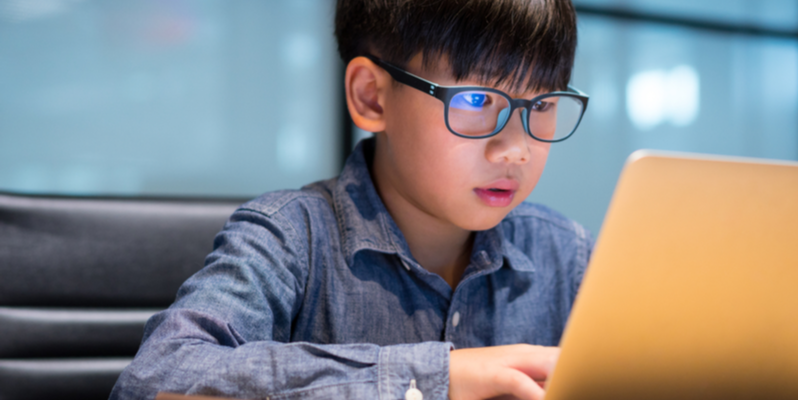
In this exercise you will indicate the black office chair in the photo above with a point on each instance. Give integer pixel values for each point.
(80, 276)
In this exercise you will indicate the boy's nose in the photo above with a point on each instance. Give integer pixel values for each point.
(511, 144)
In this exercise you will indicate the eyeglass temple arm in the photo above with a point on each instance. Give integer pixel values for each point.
(406, 78)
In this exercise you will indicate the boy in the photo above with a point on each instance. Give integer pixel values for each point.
(418, 269)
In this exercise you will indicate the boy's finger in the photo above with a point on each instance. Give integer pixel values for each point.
(519, 385)
(538, 363)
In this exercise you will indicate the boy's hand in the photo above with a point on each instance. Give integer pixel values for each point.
(516, 370)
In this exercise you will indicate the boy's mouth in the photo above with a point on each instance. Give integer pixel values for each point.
(498, 194)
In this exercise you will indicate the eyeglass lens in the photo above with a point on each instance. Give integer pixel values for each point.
(482, 113)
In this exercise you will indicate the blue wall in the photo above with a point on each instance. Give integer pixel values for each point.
(192, 97)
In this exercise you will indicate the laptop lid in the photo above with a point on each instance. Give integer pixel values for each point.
(691, 292)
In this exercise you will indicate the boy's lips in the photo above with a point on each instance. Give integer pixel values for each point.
(499, 193)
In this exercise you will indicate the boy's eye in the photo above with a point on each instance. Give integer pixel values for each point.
(542, 106)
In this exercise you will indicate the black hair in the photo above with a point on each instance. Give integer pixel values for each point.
(525, 44)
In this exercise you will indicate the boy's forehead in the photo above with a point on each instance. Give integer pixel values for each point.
(437, 69)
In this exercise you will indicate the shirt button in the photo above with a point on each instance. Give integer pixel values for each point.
(413, 393)
(456, 318)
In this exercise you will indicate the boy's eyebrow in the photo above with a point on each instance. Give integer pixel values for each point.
(512, 84)
(515, 84)
(514, 89)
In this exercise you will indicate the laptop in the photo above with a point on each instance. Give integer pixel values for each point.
(691, 292)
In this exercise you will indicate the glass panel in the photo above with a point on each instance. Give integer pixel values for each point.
(201, 97)
(477, 113)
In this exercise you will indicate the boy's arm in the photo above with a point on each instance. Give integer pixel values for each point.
(227, 333)
(187, 353)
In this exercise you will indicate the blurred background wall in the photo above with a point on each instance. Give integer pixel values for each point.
(220, 98)
(167, 97)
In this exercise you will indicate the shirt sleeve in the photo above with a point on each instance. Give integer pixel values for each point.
(229, 333)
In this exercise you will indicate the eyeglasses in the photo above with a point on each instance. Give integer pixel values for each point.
(476, 112)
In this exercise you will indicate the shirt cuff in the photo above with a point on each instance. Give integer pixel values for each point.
(428, 363)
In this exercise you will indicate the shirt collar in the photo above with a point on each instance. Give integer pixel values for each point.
(492, 250)
(365, 224)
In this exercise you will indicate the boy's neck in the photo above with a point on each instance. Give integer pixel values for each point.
(439, 247)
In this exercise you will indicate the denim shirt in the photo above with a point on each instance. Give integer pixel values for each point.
(314, 293)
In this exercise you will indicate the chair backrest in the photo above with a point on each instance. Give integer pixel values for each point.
(79, 276)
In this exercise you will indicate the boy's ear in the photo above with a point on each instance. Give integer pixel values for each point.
(365, 86)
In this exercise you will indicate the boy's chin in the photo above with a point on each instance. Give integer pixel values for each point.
(484, 221)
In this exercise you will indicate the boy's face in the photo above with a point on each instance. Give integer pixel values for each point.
(470, 183)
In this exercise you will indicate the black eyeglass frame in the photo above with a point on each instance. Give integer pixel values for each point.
(446, 94)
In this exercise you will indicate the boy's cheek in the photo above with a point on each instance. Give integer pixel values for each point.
(539, 153)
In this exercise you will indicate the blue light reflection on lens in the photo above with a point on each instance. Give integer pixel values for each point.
(469, 101)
